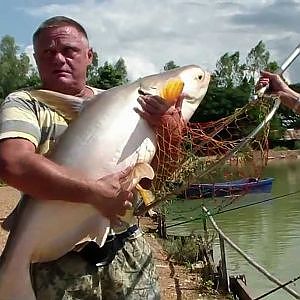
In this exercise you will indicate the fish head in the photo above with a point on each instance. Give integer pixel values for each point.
(195, 81)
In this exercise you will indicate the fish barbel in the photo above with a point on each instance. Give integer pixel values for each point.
(107, 136)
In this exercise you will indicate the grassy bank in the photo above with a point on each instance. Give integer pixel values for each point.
(184, 265)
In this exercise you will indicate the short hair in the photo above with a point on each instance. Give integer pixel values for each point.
(57, 21)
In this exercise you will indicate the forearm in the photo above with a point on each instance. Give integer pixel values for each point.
(291, 99)
(170, 133)
(41, 178)
(169, 150)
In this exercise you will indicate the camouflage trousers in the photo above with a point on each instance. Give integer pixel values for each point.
(131, 276)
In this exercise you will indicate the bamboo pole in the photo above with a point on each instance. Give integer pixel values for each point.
(223, 267)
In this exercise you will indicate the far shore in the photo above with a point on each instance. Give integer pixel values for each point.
(283, 154)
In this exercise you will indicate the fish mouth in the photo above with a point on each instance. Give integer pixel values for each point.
(191, 95)
(187, 96)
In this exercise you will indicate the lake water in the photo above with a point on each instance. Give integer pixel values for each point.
(268, 232)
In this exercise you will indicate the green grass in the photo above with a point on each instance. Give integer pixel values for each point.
(184, 250)
(297, 145)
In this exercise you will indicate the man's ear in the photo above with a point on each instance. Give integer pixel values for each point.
(90, 55)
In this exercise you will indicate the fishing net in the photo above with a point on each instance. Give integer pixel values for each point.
(193, 160)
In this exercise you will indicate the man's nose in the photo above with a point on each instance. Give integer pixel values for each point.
(59, 58)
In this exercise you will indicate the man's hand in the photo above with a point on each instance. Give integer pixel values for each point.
(110, 197)
(154, 108)
(277, 86)
(274, 81)
(166, 119)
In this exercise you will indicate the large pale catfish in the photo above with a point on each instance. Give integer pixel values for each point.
(107, 136)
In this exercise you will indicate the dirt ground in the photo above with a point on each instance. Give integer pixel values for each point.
(176, 281)
(8, 199)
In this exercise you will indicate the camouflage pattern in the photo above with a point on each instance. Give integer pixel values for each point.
(131, 276)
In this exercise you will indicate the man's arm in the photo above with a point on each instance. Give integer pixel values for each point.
(288, 97)
(41, 178)
(168, 124)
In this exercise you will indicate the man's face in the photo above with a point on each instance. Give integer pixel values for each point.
(62, 55)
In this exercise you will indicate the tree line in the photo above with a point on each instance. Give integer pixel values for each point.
(232, 81)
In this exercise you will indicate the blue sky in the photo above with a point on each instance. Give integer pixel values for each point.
(15, 19)
(148, 33)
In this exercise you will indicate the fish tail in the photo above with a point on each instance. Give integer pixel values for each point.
(146, 195)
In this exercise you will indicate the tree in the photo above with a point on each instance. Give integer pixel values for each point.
(92, 72)
(221, 102)
(33, 78)
(232, 83)
(14, 67)
(107, 76)
(229, 72)
(259, 59)
(170, 65)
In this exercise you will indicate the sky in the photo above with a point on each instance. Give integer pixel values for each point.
(149, 33)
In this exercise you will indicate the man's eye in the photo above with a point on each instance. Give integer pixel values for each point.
(69, 51)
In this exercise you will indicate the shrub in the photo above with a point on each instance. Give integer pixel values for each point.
(297, 145)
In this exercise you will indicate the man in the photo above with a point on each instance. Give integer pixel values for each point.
(288, 97)
(123, 268)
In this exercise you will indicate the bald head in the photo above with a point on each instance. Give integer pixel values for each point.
(58, 21)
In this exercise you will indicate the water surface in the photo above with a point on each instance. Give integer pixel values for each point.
(268, 232)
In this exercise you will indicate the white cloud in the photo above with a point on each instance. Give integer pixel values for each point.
(149, 33)
(29, 51)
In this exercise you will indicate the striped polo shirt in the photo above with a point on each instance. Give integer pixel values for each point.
(23, 116)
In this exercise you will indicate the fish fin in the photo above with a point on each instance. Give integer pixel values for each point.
(99, 236)
(139, 171)
(144, 198)
(101, 239)
(66, 105)
(146, 195)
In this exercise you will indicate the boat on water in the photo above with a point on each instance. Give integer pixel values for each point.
(229, 188)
